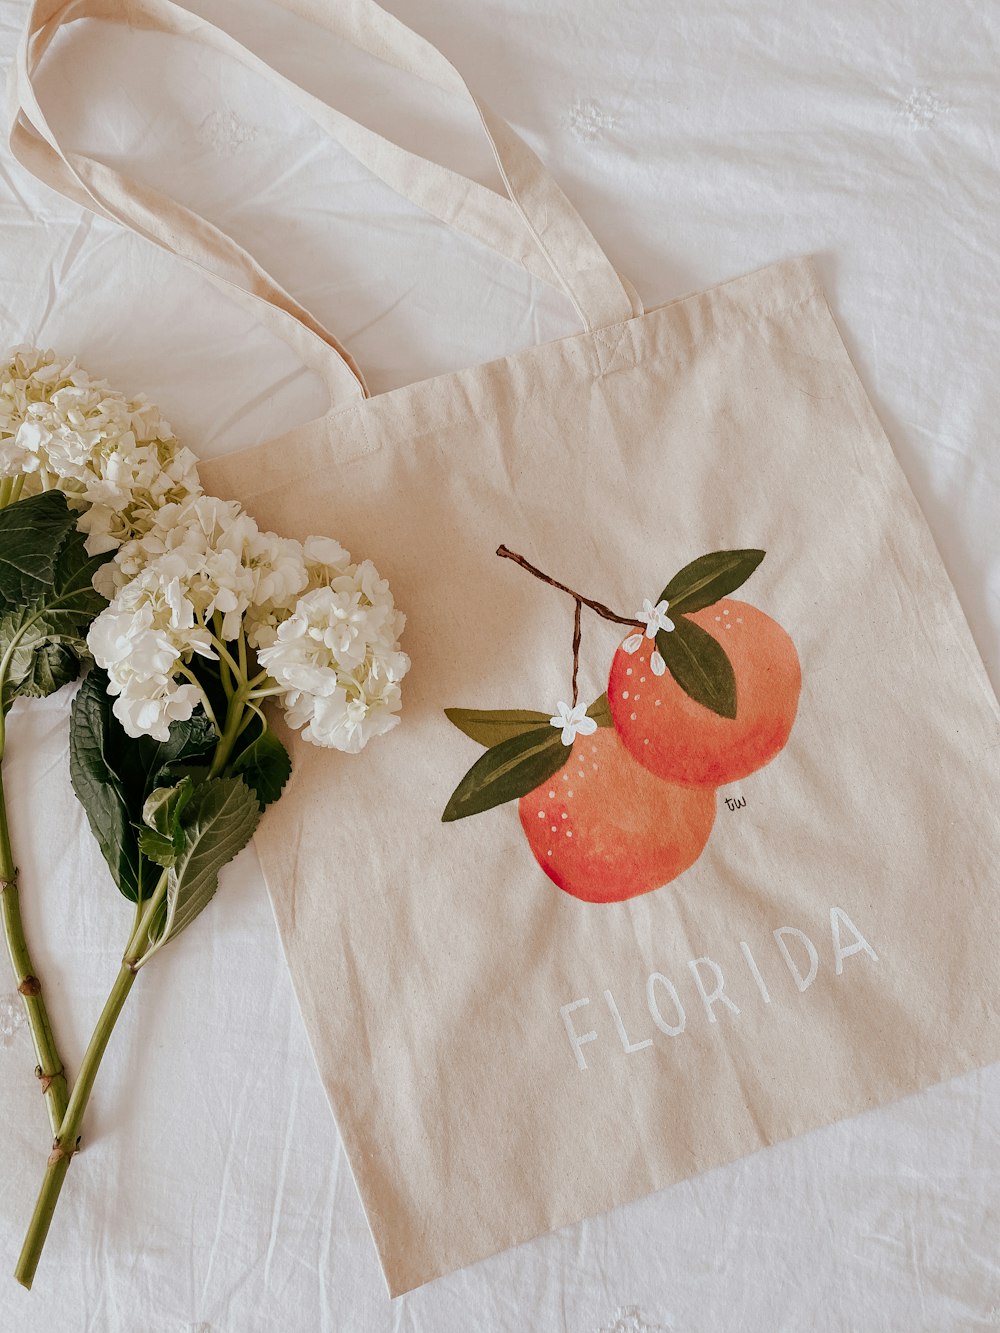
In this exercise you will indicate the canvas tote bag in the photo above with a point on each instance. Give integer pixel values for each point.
(747, 885)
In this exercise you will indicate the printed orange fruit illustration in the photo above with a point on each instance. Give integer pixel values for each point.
(618, 799)
(681, 739)
(605, 829)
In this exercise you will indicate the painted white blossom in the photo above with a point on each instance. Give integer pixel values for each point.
(115, 457)
(573, 721)
(655, 617)
(336, 658)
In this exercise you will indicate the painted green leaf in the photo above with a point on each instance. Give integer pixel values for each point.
(699, 665)
(507, 772)
(490, 727)
(600, 711)
(218, 822)
(708, 578)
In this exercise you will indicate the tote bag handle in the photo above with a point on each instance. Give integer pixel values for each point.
(535, 225)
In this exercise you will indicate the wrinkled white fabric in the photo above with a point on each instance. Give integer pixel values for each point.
(699, 142)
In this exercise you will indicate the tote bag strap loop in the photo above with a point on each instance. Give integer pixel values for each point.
(535, 226)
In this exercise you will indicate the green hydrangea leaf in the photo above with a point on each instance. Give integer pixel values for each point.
(218, 822)
(32, 533)
(52, 666)
(265, 766)
(113, 775)
(162, 838)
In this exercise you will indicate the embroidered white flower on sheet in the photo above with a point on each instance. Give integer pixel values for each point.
(588, 120)
(223, 130)
(921, 108)
(573, 721)
(655, 618)
(629, 1319)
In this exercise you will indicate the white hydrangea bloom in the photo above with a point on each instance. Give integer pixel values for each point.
(220, 557)
(336, 657)
(325, 631)
(28, 377)
(115, 457)
(144, 637)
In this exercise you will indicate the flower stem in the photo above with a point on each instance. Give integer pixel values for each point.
(49, 1068)
(68, 1134)
(230, 732)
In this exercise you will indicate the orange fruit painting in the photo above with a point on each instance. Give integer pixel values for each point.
(605, 829)
(618, 799)
(681, 740)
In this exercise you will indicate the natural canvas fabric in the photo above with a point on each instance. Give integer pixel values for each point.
(511, 1043)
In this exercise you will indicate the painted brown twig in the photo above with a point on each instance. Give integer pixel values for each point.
(598, 608)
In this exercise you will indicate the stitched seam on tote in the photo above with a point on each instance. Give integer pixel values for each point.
(740, 318)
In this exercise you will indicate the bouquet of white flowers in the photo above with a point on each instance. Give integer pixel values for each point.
(110, 553)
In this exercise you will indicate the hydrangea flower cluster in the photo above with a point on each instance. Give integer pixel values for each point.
(193, 576)
(204, 611)
(336, 659)
(115, 457)
(206, 581)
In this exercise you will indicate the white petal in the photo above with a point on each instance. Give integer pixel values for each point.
(657, 664)
(562, 715)
(586, 726)
(569, 734)
(633, 643)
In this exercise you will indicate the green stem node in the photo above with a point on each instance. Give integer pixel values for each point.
(49, 1067)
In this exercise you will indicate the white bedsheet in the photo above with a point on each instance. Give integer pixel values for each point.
(701, 139)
